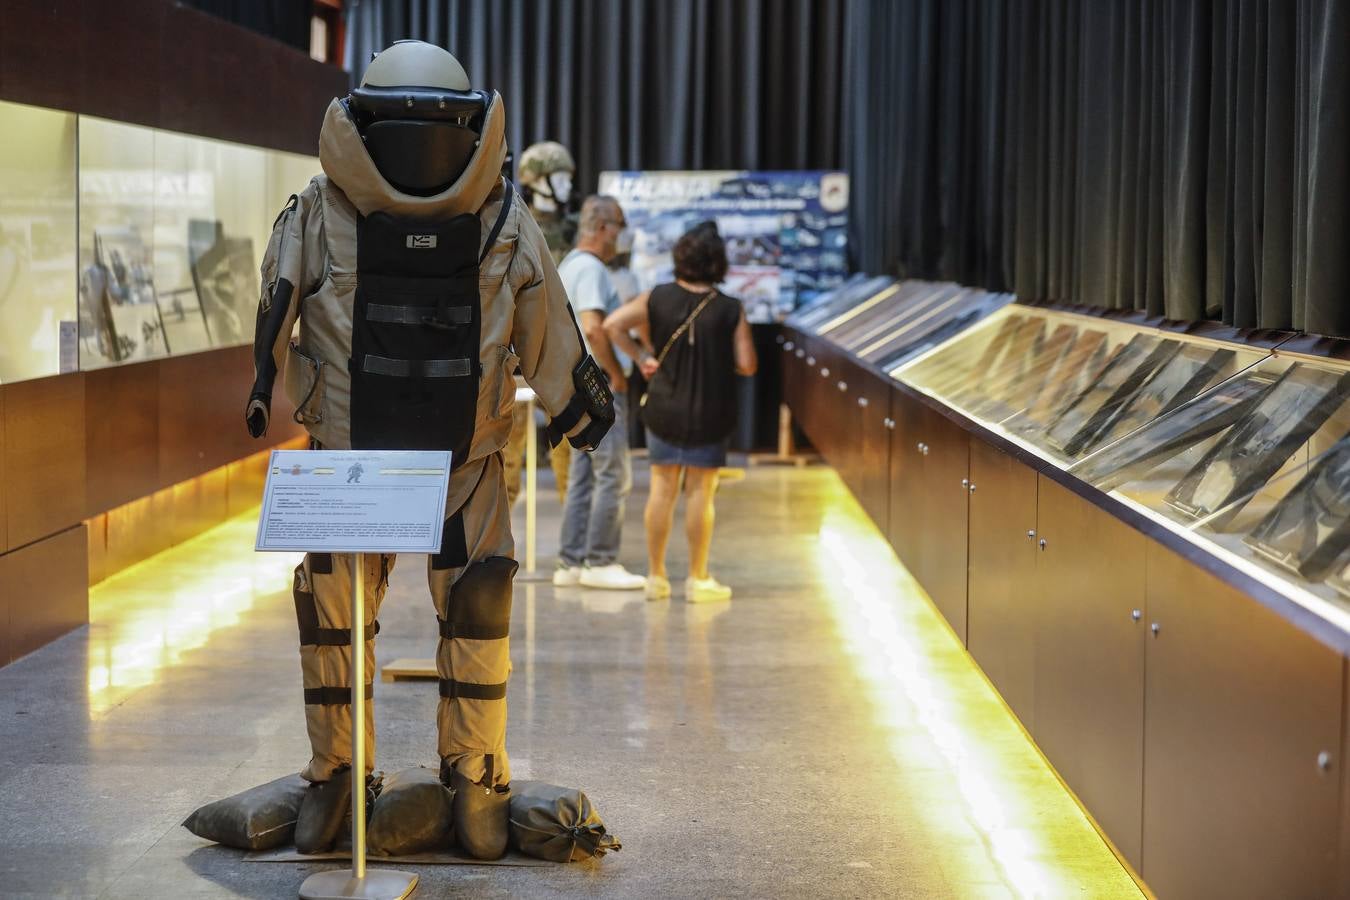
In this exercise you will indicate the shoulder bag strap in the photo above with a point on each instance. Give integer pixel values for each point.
(684, 326)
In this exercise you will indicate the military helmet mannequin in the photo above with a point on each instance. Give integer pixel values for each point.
(400, 291)
(546, 172)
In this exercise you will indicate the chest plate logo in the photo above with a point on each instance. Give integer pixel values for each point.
(421, 242)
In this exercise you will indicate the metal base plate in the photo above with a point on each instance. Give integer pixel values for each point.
(379, 884)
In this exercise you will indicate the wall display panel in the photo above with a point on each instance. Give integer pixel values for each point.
(1067, 384)
(786, 232)
(172, 230)
(37, 240)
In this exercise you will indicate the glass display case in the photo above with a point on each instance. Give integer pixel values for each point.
(1066, 384)
(884, 322)
(172, 228)
(37, 240)
(832, 304)
(120, 243)
(1259, 466)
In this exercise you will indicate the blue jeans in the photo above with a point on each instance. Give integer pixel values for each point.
(598, 483)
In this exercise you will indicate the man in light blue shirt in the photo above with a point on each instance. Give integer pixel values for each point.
(598, 482)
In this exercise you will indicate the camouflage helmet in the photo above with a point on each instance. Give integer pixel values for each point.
(543, 159)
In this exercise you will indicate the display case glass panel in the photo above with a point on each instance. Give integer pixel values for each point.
(172, 229)
(832, 304)
(1068, 384)
(1220, 463)
(935, 315)
(37, 240)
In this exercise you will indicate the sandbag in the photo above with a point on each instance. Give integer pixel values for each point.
(259, 818)
(412, 814)
(557, 823)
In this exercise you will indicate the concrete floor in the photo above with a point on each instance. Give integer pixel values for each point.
(821, 735)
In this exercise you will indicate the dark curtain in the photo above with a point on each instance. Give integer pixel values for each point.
(1183, 157)
(286, 21)
(642, 84)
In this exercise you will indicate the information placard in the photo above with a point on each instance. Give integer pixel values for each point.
(348, 501)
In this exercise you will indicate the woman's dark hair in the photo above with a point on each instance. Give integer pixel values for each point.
(701, 255)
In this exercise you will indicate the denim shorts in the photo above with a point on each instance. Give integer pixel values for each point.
(700, 456)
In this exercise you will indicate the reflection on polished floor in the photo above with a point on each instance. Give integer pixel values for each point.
(823, 734)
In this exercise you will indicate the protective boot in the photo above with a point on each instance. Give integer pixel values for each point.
(322, 813)
(481, 812)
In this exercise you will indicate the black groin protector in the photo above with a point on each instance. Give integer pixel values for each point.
(415, 334)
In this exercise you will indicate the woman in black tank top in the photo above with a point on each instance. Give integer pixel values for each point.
(693, 341)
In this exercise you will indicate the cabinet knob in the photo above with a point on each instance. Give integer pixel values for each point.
(824, 373)
(1324, 761)
(972, 488)
(810, 360)
(842, 385)
(1155, 628)
(1042, 543)
(1136, 614)
(919, 446)
(890, 424)
(862, 401)
(965, 482)
(1031, 532)
(925, 449)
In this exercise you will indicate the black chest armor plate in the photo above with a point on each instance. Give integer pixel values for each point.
(415, 334)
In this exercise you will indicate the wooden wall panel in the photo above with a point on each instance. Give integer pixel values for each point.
(42, 52)
(4, 525)
(201, 413)
(122, 44)
(44, 457)
(152, 62)
(122, 424)
(47, 589)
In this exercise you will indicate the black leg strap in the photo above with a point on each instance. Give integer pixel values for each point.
(474, 631)
(334, 696)
(452, 690)
(314, 636)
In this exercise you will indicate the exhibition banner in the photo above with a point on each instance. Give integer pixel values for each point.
(786, 232)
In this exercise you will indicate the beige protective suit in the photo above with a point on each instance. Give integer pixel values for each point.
(310, 276)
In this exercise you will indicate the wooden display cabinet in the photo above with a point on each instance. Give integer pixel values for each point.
(1089, 658)
(1242, 750)
(1001, 607)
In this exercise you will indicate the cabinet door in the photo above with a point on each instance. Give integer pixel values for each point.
(843, 390)
(1242, 744)
(1000, 630)
(875, 464)
(1090, 658)
(947, 508)
(905, 518)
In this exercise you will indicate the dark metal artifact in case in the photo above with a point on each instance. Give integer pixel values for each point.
(1249, 455)
(1309, 530)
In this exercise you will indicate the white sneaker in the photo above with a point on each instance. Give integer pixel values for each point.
(658, 587)
(705, 590)
(613, 577)
(566, 576)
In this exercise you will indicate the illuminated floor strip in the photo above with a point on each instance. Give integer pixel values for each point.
(989, 781)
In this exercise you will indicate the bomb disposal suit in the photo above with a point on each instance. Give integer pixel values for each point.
(420, 282)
